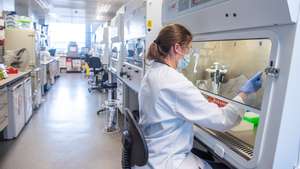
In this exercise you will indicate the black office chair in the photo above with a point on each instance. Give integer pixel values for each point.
(135, 149)
(98, 71)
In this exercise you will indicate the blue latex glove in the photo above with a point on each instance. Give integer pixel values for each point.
(253, 84)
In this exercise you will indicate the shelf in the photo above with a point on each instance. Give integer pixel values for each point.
(133, 65)
(234, 144)
(114, 59)
(246, 107)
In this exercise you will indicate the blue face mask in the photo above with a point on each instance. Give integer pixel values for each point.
(183, 62)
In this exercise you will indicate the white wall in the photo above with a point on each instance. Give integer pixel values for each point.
(7, 5)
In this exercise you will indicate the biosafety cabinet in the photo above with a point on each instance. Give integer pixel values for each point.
(101, 45)
(134, 41)
(232, 41)
(16, 39)
(117, 52)
(117, 43)
(141, 26)
(131, 73)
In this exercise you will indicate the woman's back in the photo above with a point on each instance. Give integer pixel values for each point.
(169, 137)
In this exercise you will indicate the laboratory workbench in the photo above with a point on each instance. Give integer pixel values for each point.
(74, 64)
(50, 71)
(4, 84)
(50, 61)
(12, 78)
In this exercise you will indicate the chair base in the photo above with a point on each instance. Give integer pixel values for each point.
(101, 111)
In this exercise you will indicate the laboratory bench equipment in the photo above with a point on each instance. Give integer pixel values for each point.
(29, 41)
(16, 105)
(116, 42)
(50, 72)
(12, 110)
(73, 64)
(28, 101)
(120, 95)
(134, 41)
(224, 66)
(16, 39)
(135, 50)
(36, 87)
(230, 46)
(101, 44)
(141, 26)
(130, 38)
(117, 55)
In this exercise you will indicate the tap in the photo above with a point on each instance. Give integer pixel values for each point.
(217, 74)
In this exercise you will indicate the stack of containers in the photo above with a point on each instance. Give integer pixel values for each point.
(11, 20)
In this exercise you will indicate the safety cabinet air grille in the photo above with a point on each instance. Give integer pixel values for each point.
(243, 149)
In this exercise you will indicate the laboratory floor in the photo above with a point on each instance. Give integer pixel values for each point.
(65, 133)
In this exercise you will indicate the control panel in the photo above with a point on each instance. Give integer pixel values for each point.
(132, 75)
(120, 95)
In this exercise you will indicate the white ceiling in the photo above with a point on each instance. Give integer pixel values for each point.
(90, 10)
(78, 10)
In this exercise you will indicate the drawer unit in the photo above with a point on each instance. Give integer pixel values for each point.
(3, 108)
(16, 110)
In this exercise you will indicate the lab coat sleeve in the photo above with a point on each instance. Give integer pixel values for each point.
(191, 105)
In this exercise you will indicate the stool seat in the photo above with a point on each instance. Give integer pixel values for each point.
(107, 85)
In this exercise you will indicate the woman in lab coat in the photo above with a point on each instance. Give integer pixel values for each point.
(170, 104)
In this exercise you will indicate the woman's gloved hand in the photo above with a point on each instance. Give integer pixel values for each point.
(253, 84)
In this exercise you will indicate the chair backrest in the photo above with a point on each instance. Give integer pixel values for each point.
(138, 148)
(94, 63)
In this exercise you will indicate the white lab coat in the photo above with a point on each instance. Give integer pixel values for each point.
(169, 106)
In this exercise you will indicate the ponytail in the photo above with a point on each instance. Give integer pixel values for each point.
(155, 53)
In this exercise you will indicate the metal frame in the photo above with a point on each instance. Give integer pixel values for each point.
(245, 35)
(278, 21)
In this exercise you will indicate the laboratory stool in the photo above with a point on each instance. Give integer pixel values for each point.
(112, 88)
(99, 74)
(110, 108)
(135, 149)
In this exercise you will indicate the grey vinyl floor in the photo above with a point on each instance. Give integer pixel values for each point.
(64, 133)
